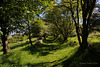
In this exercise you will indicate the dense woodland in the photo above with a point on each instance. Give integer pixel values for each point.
(49, 33)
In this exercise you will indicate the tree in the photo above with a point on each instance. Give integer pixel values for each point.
(33, 9)
(86, 8)
(61, 21)
(10, 11)
(38, 28)
(13, 13)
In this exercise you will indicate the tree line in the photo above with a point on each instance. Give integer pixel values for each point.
(46, 17)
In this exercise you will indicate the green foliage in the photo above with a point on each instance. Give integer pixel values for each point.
(15, 14)
(16, 38)
(50, 53)
(35, 29)
(10, 14)
(53, 30)
(39, 28)
(1, 33)
(61, 22)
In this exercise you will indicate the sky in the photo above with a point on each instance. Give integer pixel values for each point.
(98, 2)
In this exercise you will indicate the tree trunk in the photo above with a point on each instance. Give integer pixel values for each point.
(84, 33)
(6, 47)
(44, 36)
(78, 35)
(30, 39)
(77, 24)
(84, 40)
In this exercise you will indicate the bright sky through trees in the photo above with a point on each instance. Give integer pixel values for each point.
(98, 2)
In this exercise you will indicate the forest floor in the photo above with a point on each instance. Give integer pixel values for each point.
(53, 54)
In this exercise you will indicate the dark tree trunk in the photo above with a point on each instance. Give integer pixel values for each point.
(84, 32)
(6, 47)
(44, 36)
(84, 39)
(78, 35)
(30, 39)
(29, 33)
(77, 24)
(87, 9)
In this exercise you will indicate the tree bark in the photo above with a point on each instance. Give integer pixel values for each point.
(84, 38)
(77, 24)
(30, 39)
(84, 32)
(87, 9)
(78, 35)
(76, 21)
(44, 36)
(29, 33)
(6, 47)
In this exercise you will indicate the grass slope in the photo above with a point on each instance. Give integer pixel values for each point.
(52, 54)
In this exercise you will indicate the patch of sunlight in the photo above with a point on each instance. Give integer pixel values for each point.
(35, 59)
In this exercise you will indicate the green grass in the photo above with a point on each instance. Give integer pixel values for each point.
(51, 54)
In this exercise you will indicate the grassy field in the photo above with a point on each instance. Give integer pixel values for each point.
(52, 54)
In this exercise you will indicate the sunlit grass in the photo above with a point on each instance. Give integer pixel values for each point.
(24, 57)
(48, 54)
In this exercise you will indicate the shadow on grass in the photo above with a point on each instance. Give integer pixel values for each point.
(20, 45)
(81, 58)
(48, 64)
(10, 60)
(41, 49)
(47, 47)
(96, 46)
(16, 46)
(50, 39)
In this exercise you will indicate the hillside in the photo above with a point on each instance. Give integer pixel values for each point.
(52, 53)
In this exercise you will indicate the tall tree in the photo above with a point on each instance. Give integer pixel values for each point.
(33, 9)
(9, 12)
(86, 7)
(61, 21)
(13, 14)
